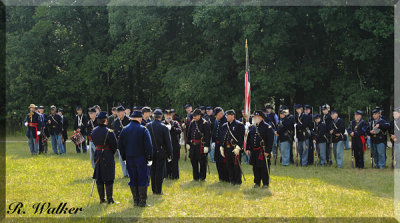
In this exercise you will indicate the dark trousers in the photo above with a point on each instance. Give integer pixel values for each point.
(157, 173)
(41, 146)
(261, 173)
(291, 152)
(232, 165)
(310, 151)
(199, 173)
(173, 167)
(358, 153)
(221, 165)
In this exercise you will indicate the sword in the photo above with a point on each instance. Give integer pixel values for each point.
(241, 172)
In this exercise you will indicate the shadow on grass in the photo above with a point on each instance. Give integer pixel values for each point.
(256, 193)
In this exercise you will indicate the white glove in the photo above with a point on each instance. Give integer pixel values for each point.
(247, 124)
(295, 125)
(236, 151)
(125, 162)
(169, 126)
(187, 146)
(38, 132)
(169, 160)
(221, 149)
(26, 123)
(205, 149)
(149, 163)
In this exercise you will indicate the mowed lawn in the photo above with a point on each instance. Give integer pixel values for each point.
(294, 191)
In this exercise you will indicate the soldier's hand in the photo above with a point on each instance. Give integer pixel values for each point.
(315, 141)
(337, 134)
(187, 146)
(38, 132)
(78, 130)
(331, 132)
(49, 121)
(26, 124)
(149, 163)
(377, 126)
(352, 134)
(221, 149)
(247, 152)
(276, 133)
(169, 126)
(266, 155)
(372, 132)
(236, 151)
(205, 149)
(169, 159)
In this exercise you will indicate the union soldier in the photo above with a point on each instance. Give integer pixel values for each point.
(55, 130)
(209, 117)
(378, 130)
(337, 131)
(198, 143)
(394, 132)
(162, 151)
(136, 149)
(64, 121)
(128, 111)
(220, 161)
(43, 145)
(119, 124)
(327, 120)
(80, 125)
(175, 132)
(146, 111)
(98, 109)
(302, 123)
(259, 143)
(319, 138)
(203, 110)
(92, 124)
(309, 116)
(357, 130)
(175, 116)
(232, 138)
(285, 132)
(272, 119)
(187, 118)
(112, 118)
(106, 145)
(33, 131)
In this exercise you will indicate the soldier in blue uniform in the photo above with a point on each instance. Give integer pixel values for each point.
(220, 161)
(175, 132)
(272, 119)
(43, 146)
(302, 123)
(187, 118)
(175, 116)
(309, 116)
(198, 142)
(336, 132)
(327, 120)
(319, 138)
(259, 146)
(92, 123)
(162, 151)
(394, 132)
(210, 118)
(34, 126)
(80, 125)
(120, 122)
(377, 130)
(65, 124)
(285, 133)
(146, 112)
(136, 149)
(55, 130)
(357, 130)
(232, 138)
(106, 145)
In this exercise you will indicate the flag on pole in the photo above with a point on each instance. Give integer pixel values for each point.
(247, 93)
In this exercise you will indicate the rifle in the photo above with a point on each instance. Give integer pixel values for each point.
(352, 150)
(185, 136)
(277, 149)
(295, 145)
(316, 159)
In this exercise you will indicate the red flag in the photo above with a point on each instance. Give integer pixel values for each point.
(247, 92)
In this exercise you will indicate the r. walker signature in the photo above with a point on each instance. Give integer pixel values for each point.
(43, 208)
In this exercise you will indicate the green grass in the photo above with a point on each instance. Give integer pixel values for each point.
(294, 191)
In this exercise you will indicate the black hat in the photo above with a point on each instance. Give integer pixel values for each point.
(146, 109)
(298, 106)
(317, 116)
(283, 109)
(168, 111)
(359, 112)
(158, 112)
(101, 115)
(196, 112)
(78, 107)
(334, 112)
(135, 108)
(217, 110)
(96, 107)
(92, 110)
(60, 110)
(36, 107)
(120, 108)
(376, 110)
(53, 107)
(136, 114)
(307, 106)
(41, 107)
(187, 106)
(230, 112)
(258, 113)
(202, 107)
(268, 106)
(209, 108)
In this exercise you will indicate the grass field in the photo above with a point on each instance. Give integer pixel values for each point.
(294, 191)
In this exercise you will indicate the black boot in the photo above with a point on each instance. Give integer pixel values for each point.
(109, 191)
(135, 194)
(143, 196)
(100, 189)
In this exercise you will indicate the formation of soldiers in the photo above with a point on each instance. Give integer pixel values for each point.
(148, 144)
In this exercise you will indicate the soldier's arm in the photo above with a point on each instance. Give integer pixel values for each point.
(148, 145)
(167, 141)
(188, 135)
(241, 135)
(269, 140)
(207, 134)
(391, 128)
(177, 128)
(384, 125)
(112, 140)
(121, 145)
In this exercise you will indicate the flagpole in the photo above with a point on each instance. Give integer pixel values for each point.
(246, 96)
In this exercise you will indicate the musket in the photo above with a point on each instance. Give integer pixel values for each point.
(295, 145)
(316, 159)
(185, 137)
(352, 148)
(277, 149)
